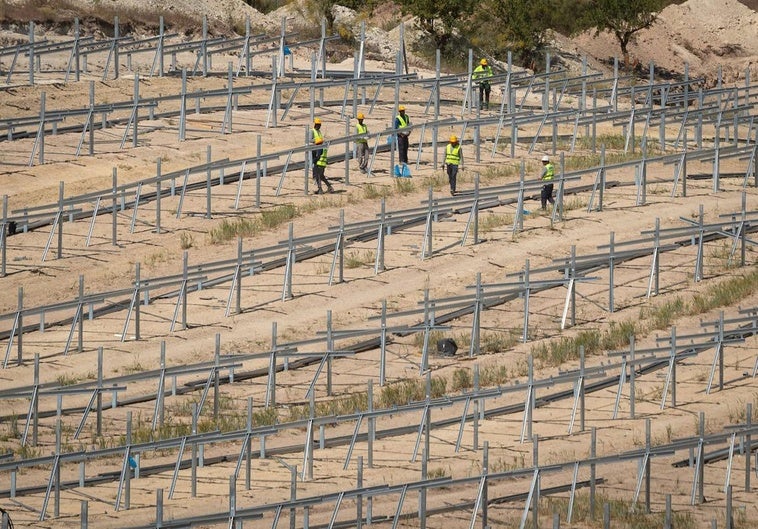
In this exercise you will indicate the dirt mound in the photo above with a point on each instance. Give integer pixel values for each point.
(222, 14)
(706, 34)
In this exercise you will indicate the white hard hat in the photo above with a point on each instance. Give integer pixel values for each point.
(546, 158)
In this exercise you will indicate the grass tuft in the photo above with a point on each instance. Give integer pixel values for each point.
(404, 186)
(623, 513)
(493, 221)
(273, 218)
(186, 240)
(229, 230)
(372, 192)
(726, 292)
(357, 259)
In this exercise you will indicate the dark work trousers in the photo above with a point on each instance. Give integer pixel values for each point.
(361, 148)
(484, 94)
(402, 147)
(547, 195)
(318, 176)
(452, 174)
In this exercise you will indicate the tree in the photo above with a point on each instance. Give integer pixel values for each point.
(517, 25)
(624, 18)
(316, 10)
(439, 18)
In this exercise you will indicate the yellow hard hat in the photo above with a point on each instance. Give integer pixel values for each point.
(401, 108)
(317, 121)
(360, 115)
(483, 62)
(453, 139)
(319, 141)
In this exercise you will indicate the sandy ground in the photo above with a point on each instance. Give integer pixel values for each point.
(452, 268)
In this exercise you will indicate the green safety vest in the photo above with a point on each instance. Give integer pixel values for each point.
(453, 154)
(322, 160)
(403, 121)
(549, 171)
(361, 129)
(315, 134)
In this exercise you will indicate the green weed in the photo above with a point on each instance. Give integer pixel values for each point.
(273, 218)
(372, 192)
(623, 514)
(463, 379)
(404, 186)
(565, 349)
(229, 230)
(493, 221)
(727, 292)
(662, 315)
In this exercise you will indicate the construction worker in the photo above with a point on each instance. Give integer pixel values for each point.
(548, 172)
(402, 121)
(316, 130)
(453, 159)
(481, 76)
(318, 157)
(361, 144)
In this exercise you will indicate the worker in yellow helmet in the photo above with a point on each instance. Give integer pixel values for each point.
(402, 122)
(548, 173)
(316, 130)
(319, 166)
(453, 159)
(361, 144)
(481, 76)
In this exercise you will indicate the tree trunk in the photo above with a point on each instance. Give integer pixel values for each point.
(624, 43)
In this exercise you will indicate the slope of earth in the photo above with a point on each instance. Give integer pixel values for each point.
(706, 34)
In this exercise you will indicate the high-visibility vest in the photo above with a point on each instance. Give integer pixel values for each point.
(315, 134)
(453, 154)
(549, 171)
(403, 121)
(322, 159)
(360, 128)
(482, 72)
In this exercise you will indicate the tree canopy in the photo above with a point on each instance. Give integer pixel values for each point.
(520, 26)
(439, 18)
(623, 18)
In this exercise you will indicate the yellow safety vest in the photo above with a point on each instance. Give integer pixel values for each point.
(453, 154)
(403, 121)
(315, 134)
(482, 72)
(322, 160)
(361, 129)
(549, 171)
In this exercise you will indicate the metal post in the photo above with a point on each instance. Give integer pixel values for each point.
(114, 212)
(41, 129)
(748, 447)
(31, 53)
(84, 509)
(183, 107)
(208, 159)
(158, 196)
(193, 431)
(116, 37)
(20, 336)
(593, 454)
(4, 237)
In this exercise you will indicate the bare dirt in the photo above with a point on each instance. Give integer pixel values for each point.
(707, 35)
(450, 271)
